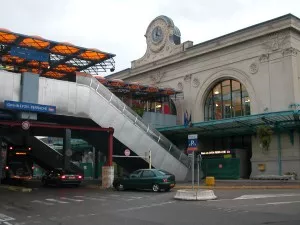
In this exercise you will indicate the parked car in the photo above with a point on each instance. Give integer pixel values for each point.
(60, 177)
(153, 179)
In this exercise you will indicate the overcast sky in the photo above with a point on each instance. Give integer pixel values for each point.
(118, 26)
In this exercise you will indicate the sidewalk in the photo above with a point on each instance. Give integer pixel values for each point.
(243, 184)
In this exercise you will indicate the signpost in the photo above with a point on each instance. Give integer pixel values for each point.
(192, 147)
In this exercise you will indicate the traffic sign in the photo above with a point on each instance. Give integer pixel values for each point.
(127, 152)
(192, 143)
(25, 125)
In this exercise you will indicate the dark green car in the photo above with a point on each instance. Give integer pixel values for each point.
(153, 179)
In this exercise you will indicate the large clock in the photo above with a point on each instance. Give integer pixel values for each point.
(157, 35)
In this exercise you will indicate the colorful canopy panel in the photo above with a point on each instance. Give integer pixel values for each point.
(21, 53)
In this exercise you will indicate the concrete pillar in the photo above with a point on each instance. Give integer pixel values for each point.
(96, 165)
(108, 170)
(67, 151)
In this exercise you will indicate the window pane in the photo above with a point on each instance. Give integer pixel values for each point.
(235, 85)
(226, 93)
(237, 110)
(236, 98)
(226, 83)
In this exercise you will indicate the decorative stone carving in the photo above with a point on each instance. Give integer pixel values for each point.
(253, 68)
(289, 51)
(264, 58)
(276, 41)
(187, 78)
(196, 82)
(180, 86)
(156, 78)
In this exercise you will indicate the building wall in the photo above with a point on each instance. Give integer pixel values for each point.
(290, 155)
(264, 58)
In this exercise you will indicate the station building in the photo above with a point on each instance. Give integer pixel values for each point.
(241, 91)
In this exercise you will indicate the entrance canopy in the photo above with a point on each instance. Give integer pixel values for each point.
(244, 125)
(21, 53)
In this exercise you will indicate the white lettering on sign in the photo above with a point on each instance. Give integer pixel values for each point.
(193, 136)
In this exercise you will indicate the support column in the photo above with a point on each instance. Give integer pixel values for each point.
(67, 151)
(96, 164)
(108, 170)
(279, 153)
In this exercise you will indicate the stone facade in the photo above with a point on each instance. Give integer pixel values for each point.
(264, 58)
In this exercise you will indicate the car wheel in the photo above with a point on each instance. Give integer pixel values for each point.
(120, 187)
(155, 187)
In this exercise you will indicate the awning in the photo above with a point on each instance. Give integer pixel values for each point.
(22, 53)
(244, 125)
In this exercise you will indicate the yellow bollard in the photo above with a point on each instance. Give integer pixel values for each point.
(210, 181)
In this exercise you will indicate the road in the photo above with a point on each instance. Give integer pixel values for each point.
(76, 206)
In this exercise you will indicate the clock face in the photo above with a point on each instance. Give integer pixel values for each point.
(157, 34)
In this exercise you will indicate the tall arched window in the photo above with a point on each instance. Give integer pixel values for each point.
(228, 98)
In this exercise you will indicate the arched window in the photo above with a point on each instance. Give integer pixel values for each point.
(228, 98)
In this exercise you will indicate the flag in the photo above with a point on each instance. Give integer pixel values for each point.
(186, 121)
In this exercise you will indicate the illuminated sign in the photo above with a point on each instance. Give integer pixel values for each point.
(216, 152)
(21, 153)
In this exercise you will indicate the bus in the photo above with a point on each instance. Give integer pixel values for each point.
(17, 165)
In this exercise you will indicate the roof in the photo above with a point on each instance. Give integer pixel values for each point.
(22, 53)
(135, 88)
(244, 125)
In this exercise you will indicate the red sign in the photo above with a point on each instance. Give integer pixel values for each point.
(25, 125)
(127, 152)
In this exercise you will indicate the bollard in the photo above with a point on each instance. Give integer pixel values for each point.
(210, 181)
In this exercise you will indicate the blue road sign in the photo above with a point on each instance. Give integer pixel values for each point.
(29, 107)
(192, 143)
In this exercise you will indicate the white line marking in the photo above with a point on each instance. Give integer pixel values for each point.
(4, 218)
(265, 196)
(115, 195)
(95, 199)
(41, 202)
(145, 206)
(55, 200)
(71, 199)
(279, 203)
(7, 223)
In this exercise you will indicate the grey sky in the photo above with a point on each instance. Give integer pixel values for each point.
(118, 26)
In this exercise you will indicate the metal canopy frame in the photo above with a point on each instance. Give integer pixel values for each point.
(21, 53)
(244, 125)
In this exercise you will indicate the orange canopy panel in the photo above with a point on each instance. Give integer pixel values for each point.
(35, 42)
(6, 36)
(92, 55)
(54, 74)
(64, 49)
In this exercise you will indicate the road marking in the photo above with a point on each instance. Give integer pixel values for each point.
(245, 197)
(90, 198)
(115, 195)
(279, 203)
(4, 218)
(7, 223)
(55, 200)
(41, 202)
(71, 199)
(145, 206)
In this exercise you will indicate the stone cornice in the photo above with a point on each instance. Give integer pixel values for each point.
(257, 31)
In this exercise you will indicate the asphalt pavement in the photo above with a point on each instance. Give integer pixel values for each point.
(85, 206)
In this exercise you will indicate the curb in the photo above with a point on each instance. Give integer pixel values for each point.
(98, 187)
(238, 187)
(195, 195)
(16, 188)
